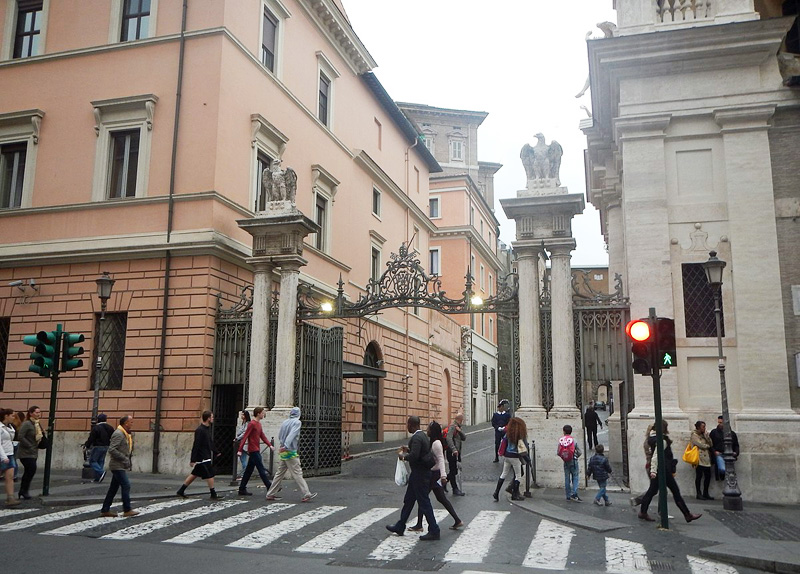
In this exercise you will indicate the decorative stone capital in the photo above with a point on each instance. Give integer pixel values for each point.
(561, 248)
(278, 235)
(641, 127)
(745, 118)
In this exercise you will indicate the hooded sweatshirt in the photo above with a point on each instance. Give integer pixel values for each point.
(289, 434)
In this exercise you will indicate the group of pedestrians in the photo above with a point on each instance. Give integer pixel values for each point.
(21, 438)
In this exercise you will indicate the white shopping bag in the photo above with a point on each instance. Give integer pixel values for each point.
(458, 477)
(401, 473)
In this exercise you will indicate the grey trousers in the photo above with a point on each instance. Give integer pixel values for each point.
(291, 466)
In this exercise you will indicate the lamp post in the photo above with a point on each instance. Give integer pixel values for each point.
(732, 496)
(104, 285)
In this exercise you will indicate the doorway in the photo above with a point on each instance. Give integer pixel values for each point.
(370, 396)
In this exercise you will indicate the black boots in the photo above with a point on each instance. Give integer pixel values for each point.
(515, 495)
(182, 491)
(496, 494)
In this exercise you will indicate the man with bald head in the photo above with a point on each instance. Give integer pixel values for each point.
(420, 458)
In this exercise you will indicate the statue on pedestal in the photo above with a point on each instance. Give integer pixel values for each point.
(279, 184)
(542, 161)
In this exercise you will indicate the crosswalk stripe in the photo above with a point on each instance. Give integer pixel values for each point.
(475, 542)
(208, 530)
(152, 525)
(46, 518)
(703, 566)
(262, 537)
(84, 525)
(396, 547)
(550, 547)
(14, 512)
(625, 557)
(333, 539)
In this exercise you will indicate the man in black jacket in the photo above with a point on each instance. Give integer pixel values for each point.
(202, 460)
(420, 458)
(590, 422)
(99, 439)
(718, 440)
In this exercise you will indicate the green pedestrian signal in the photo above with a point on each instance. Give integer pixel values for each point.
(45, 355)
(667, 360)
(666, 342)
(70, 351)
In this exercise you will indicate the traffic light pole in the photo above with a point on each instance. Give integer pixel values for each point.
(51, 416)
(659, 425)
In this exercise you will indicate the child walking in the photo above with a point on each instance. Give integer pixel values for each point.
(600, 468)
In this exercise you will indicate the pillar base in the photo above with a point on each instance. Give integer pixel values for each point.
(545, 429)
(272, 421)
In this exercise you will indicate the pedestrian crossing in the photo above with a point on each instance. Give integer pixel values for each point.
(490, 536)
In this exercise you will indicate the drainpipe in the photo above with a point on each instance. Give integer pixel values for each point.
(405, 309)
(168, 255)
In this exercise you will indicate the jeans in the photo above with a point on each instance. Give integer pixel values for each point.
(29, 464)
(417, 491)
(602, 492)
(118, 478)
(254, 461)
(97, 460)
(571, 478)
(243, 462)
(720, 465)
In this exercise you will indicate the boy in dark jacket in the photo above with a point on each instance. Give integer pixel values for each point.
(600, 468)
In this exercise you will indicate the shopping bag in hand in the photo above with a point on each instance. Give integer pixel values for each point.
(401, 473)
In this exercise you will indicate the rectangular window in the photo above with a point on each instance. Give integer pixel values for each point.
(483, 276)
(474, 374)
(428, 140)
(268, 40)
(12, 174)
(485, 378)
(111, 345)
(376, 202)
(481, 228)
(135, 20)
(433, 207)
(472, 216)
(5, 329)
(491, 285)
(698, 303)
(124, 164)
(375, 264)
(324, 95)
(322, 221)
(493, 380)
(29, 29)
(380, 133)
(472, 269)
(263, 162)
(435, 266)
(457, 150)
(491, 334)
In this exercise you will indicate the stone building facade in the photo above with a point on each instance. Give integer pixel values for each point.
(689, 150)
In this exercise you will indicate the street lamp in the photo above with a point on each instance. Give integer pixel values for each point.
(104, 286)
(731, 495)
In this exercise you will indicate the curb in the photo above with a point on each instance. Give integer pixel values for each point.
(558, 514)
(781, 557)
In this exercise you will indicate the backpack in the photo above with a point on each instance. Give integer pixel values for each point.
(566, 448)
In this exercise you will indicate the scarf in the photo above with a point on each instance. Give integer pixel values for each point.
(39, 431)
(127, 436)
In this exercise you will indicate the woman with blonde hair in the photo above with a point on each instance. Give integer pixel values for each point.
(516, 450)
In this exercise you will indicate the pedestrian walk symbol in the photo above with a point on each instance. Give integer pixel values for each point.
(667, 359)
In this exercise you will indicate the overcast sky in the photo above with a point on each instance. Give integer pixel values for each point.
(521, 61)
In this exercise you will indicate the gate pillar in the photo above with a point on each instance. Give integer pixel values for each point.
(530, 329)
(287, 333)
(259, 338)
(563, 332)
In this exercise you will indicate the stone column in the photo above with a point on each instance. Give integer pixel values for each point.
(259, 337)
(287, 333)
(562, 330)
(616, 247)
(530, 361)
(614, 424)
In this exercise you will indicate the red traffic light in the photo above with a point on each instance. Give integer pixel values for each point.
(638, 330)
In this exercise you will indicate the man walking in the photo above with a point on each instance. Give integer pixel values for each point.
(455, 436)
(420, 459)
(202, 459)
(569, 452)
(718, 440)
(97, 443)
(120, 449)
(590, 422)
(251, 441)
(289, 460)
(499, 421)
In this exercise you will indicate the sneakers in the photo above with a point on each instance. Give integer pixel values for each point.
(598, 502)
(575, 498)
(108, 514)
(309, 497)
(273, 497)
(130, 513)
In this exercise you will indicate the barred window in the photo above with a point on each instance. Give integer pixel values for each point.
(485, 378)
(474, 374)
(493, 380)
(5, 328)
(698, 303)
(111, 344)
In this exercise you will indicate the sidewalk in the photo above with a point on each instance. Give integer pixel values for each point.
(762, 536)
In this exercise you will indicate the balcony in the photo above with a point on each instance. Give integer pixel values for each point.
(669, 11)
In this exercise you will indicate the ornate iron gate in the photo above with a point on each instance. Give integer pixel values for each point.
(318, 392)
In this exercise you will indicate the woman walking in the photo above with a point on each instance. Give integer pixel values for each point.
(671, 484)
(702, 472)
(7, 433)
(438, 478)
(244, 419)
(30, 435)
(516, 449)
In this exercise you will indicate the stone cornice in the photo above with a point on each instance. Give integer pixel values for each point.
(334, 25)
(641, 127)
(472, 117)
(745, 118)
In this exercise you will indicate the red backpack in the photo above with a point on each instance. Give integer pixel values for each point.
(566, 448)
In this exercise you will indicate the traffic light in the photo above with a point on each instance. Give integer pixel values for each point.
(666, 343)
(640, 333)
(45, 353)
(68, 362)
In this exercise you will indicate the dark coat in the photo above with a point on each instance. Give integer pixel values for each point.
(27, 441)
(718, 440)
(591, 420)
(500, 420)
(418, 447)
(599, 467)
(100, 435)
(203, 447)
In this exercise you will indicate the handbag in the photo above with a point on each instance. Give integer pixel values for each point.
(42, 442)
(691, 455)
(502, 450)
(401, 473)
